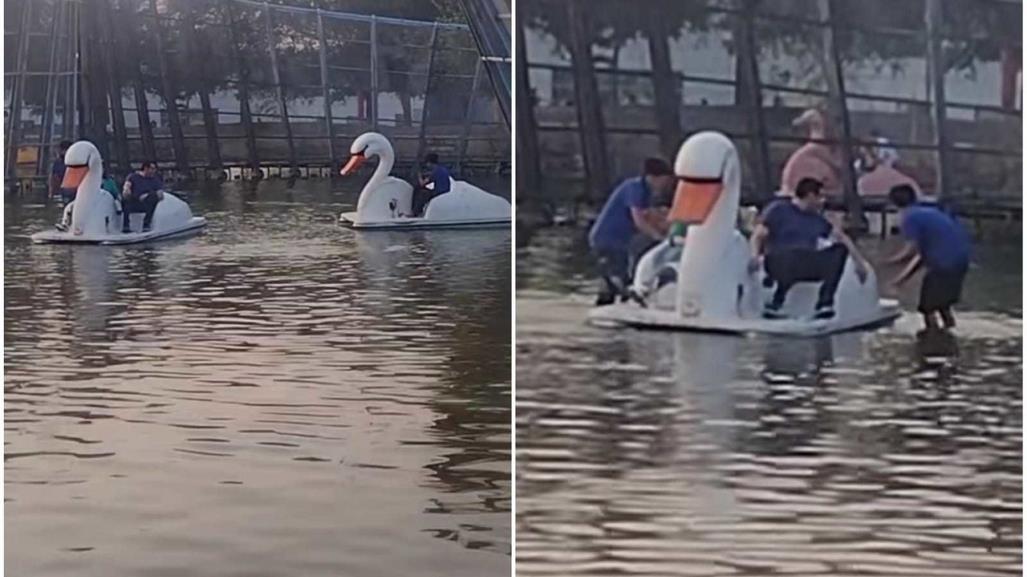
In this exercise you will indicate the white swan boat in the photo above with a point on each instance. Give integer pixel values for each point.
(713, 289)
(93, 216)
(386, 201)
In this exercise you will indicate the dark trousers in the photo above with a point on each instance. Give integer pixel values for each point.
(133, 204)
(420, 200)
(613, 270)
(789, 266)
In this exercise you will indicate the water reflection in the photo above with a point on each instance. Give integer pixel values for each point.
(653, 453)
(276, 396)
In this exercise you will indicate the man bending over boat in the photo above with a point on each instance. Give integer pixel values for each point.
(627, 221)
(795, 243)
(938, 243)
(141, 193)
(433, 182)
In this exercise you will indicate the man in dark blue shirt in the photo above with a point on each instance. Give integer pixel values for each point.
(938, 243)
(434, 182)
(628, 219)
(797, 244)
(141, 193)
(57, 175)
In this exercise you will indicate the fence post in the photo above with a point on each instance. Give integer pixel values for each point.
(427, 94)
(52, 82)
(373, 104)
(325, 92)
(468, 118)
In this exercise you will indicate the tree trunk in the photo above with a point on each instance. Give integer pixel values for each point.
(589, 107)
(666, 86)
(528, 170)
(936, 66)
(839, 115)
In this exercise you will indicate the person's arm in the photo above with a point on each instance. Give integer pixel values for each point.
(905, 253)
(647, 222)
(910, 270)
(862, 264)
(757, 245)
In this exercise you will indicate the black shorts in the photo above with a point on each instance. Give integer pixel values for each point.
(941, 289)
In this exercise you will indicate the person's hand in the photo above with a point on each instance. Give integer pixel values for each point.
(754, 264)
(862, 271)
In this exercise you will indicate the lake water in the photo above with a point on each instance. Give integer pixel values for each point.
(279, 396)
(658, 453)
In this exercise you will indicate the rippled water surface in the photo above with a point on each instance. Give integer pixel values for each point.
(279, 396)
(661, 453)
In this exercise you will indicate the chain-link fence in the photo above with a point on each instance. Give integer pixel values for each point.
(236, 86)
(605, 83)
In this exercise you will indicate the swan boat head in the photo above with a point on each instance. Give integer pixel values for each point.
(84, 172)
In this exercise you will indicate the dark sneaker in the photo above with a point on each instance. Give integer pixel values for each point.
(147, 227)
(824, 313)
(61, 227)
(637, 298)
(126, 231)
(773, 313)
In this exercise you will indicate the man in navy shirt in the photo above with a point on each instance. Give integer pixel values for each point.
(797, 244)
(57, 175)
(433, 183)
(141, 193)
(626, 217)
(938, 243)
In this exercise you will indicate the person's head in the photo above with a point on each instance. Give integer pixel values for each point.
(431, 160)
(813, 122)
(902, 195)
(809, 194)
(658, 175)
(875, 133)
(64, 146)
(148, 168)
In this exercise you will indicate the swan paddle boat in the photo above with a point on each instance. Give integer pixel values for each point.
(94, 217)
(386, 201)
(713, 289)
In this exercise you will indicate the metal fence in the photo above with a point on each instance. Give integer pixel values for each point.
(604, 83)
(237, 85)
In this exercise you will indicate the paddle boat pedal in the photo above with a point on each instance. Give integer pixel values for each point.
(713, 290)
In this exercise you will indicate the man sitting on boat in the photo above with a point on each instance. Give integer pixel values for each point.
(431, 183)
(141, 193)
(795, 243)
(627, 221)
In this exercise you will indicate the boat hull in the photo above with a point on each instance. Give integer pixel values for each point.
(192, 226)
(349, 219)
(631, 315)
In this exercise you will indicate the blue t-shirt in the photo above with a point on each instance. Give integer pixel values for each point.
(792, 227)
(440, 178)
(58, 167)
(943, 243)
(144, 184)
(615, 228)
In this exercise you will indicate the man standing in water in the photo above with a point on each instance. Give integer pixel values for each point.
(938, 243)
(433, 182)
(142, 192)
(628, 219)
(797, 244)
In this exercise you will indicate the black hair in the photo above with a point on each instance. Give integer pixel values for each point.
(147, 164)
(808, 186)
(65, 144)
(656, 167)
(902, 195)
(431, 158)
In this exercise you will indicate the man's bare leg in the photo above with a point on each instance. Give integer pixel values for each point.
(946, 317)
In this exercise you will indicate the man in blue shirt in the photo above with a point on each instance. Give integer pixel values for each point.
(141, 193)
(627, 218)
(57, 175)
(938, 243)
(797, 244)
(433, 182)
